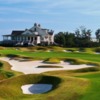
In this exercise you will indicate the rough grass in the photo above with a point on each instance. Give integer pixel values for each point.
(49, 66)
(93, 90)
(2, 48)
(1, 65)
(64, 88)
(97, 49)
(90, 69)
(11, 89)
(73, 61)
(6, 72)
(52, 61)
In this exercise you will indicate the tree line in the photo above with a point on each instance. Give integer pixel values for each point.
(80, 38)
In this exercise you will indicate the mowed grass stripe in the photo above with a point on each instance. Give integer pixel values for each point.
(42, 55)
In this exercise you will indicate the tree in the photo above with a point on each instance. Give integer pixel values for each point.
(83, 37)
(97, 33)
(60, 39)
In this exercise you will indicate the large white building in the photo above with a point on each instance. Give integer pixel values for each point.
(33, 36)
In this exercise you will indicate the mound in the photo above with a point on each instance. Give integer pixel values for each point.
(11, 89)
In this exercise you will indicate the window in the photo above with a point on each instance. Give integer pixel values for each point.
(34, 29)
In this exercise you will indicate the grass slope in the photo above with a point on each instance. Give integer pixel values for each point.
(64, 88)
(93, 93)
(6, 72)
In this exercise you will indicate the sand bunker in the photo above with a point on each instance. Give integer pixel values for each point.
(36, 88)
(97, 53)
(29, 67)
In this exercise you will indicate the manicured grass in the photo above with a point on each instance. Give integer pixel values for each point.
(43, 55)
(93, 92)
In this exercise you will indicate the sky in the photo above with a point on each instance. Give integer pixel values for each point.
(58, 15)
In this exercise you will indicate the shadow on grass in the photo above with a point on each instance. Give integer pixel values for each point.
(55, 81)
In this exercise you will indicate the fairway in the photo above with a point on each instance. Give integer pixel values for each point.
(43, 55)
(94, 88)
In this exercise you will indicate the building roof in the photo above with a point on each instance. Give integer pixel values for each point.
(17, 32)
(7, 35)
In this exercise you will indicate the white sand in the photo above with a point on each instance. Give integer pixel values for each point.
(64, 50)
(97, 53)
(36, 88)
(29, 67)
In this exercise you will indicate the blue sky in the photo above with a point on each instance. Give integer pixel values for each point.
(59, 15)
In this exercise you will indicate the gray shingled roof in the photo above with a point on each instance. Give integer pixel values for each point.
(17, 32)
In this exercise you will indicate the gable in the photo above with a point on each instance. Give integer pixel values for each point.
(27, 32)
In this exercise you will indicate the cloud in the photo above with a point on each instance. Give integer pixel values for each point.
(86, 7)
(55, 7)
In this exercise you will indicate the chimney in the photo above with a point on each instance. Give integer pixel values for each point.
(35, 24)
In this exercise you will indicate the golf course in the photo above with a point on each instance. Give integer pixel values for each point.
(73, 73)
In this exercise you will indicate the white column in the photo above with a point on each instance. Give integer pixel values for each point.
(38, 39)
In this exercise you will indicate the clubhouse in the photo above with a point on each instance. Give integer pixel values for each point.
(33, 36)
